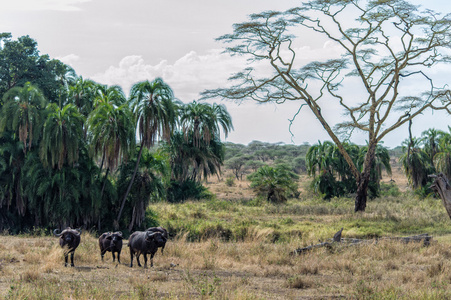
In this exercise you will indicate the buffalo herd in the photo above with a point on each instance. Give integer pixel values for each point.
(140, 242)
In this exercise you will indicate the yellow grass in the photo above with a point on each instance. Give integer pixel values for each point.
(212, 269)
(254, 267)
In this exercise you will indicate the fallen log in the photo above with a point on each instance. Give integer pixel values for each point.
(425, 238)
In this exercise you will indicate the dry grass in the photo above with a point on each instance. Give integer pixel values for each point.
(243, 251)
(213, 269)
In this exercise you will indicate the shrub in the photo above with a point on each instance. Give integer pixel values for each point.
(275, 184)
(190, 189)
(230, 181)
(389, 189)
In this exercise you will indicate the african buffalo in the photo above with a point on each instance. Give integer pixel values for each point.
(145, 242)
(163, 231)
(69, 241)
(111, 242)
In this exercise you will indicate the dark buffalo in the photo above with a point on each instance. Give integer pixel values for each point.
(111, 242)
(69, 241)
(163, 231)
(145, 242)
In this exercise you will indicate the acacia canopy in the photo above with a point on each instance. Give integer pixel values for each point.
(384, 46)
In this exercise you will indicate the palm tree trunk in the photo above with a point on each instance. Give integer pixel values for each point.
(116, 223)
(104, 182)
(103, 189)
(101, 164)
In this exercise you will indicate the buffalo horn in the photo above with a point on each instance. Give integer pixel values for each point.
(149, 233)
(55, 232)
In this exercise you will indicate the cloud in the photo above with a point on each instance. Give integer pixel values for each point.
(69, 59)
(33, 5)
(193, 73)
(188, 76)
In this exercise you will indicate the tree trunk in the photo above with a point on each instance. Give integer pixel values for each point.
(116, 223)
(103, 189)
(362, 193)
(442, 187)
(364, 179)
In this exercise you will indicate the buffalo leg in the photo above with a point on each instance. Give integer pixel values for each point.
(66, 256)
(145, 260)
(137, 259)
(131, 258)
(72, 259)
(151, 259)
(102, 253)
(114, 256)
(119, 257)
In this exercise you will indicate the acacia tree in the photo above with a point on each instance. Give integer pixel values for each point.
(384, 44)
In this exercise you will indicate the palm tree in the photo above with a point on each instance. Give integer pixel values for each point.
(416, 163)
(381, 162)
(276, 184)
(12, 158)
(156, 114)
(204, 121)
(82, 93)
(431, 141)
(111, 128)
(66, 77)
(62, 136)
(149, 184)
(112, 134)
(66, 196)
(442, 159)
(191, 162)
(318, 157)
(23, 112)
(109, 94)
(335, 177)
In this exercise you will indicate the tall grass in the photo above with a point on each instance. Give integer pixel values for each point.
(242, 249)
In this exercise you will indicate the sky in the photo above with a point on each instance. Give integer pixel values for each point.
(125, 42)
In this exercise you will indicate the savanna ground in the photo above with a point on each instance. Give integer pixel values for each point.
(236, 247)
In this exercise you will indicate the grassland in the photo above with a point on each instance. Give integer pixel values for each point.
(237, 247)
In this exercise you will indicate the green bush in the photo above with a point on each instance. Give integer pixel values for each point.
(181, 191)
(389, 189)
(274, 184)
(150, 219)
(230, 181)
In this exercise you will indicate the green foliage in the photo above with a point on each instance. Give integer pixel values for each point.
(20, 63)
(236, 164)
(149, 185)
(189, 189)
(229, 181)
(273, 75)
(192, 162)
(389, 190)
(425, 156)
(150, 219)
(62, 136)
(111, 128)
(335, 178)
(275, 184)
(23, 112)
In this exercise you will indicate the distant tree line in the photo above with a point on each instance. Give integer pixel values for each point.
(243, 160)
(74, 152)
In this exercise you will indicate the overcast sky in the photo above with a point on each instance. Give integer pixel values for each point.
(124, 42)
